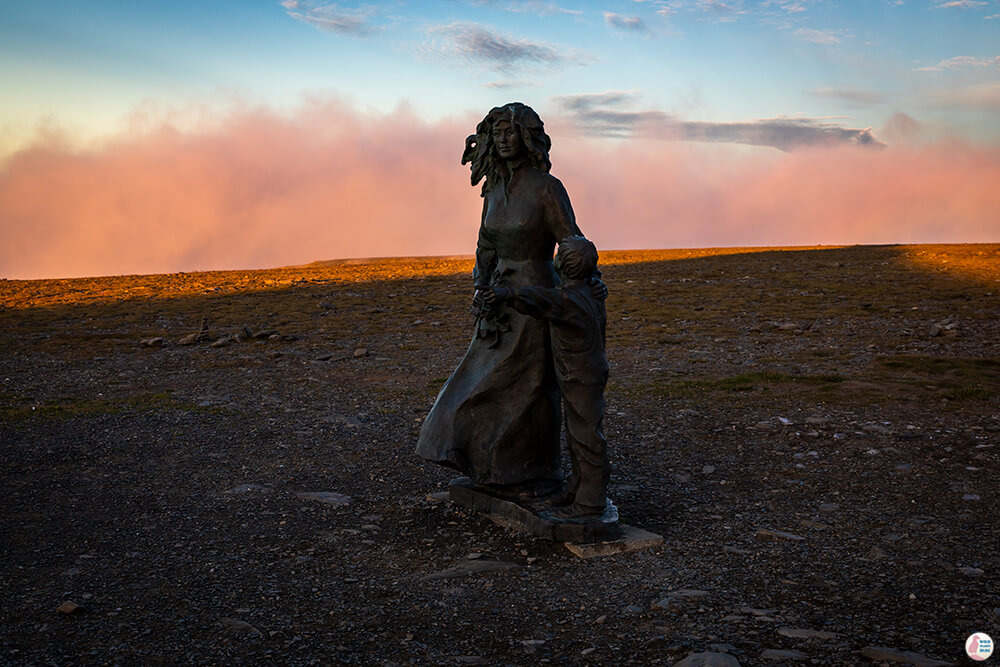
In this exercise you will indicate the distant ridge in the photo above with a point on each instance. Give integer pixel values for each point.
(380, 260)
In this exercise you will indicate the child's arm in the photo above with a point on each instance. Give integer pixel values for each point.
(543, 303)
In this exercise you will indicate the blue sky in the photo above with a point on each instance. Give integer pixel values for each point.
(87, 66)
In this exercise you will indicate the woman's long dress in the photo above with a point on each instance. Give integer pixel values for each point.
(497, 419)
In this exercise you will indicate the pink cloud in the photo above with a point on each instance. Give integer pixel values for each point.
(258, 189)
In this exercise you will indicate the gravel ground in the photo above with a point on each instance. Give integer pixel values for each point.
(815, 434)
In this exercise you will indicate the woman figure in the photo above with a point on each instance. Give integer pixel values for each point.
(497, 419)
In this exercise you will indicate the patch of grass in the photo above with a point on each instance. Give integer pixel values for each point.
(955, 378)
(67, 407)
(760, 380)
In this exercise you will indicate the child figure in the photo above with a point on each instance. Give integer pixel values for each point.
(577, 322)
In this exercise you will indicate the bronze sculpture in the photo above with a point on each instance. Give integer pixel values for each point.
(497, 418)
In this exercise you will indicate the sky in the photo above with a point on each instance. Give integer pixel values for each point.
(159, 136)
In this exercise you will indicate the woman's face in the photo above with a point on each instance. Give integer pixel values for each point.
(507, 140)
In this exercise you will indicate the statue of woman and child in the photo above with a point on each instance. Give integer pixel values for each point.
(539, 336)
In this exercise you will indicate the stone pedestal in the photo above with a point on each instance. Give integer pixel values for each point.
(519, 516)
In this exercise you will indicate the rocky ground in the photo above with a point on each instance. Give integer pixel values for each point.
(217, 468)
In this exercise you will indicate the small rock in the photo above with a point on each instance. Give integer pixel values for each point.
(971, 496)
(190, 339)
(708, 660)
(687, 593)
(265, 334)
(632, 609)
(883, 653)
(223, 342)
(876, 554)
(764, 533)
(438, 496)
(816, 421)
(829, 508)
(722, 648)
(779, 655)
(971, 571)
(238, 628)
(246, 488)
(361, 352)
(708, 470)
(69, 607)
(156, 341)
(466, 567)
(805, 633)
(326, 497)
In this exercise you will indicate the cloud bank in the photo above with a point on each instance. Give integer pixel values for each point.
(330, 18)
(256, 188)
(608, 114)
(476, 44)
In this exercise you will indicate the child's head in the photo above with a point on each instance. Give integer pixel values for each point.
(576, 258)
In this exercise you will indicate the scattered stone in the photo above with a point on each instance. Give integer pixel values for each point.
(971, 571)
(466, 567)
(69, 607)
(246, 488)
(708, 470)
(722, 648)
(946, 327)
(736, 550)
(708, 660)
(326, 497)
(223, 342)
(687, 593)
(632, 609)
(156, 341)
(971, 496)
(816, 421)
(326, 305)
(882, 653)
(632, 539)
(190, 339)
(237, 628)
(766, 534)
(438, 496)
(360, 352)
(265, 334)
(829, 508)
(780, 655)
(876, 554)
(805, 633)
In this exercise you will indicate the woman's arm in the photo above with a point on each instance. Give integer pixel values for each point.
(559, 217)
(486, 256)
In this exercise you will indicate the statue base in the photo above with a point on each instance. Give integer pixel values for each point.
(520, 516)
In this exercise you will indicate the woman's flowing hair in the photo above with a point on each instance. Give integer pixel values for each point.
(483, 156)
